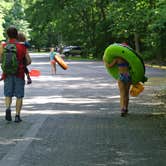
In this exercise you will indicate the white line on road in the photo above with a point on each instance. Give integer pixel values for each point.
(13, 157)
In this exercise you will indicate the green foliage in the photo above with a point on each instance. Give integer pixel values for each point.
(93, 24)
(157, 29)
(16, 17)
(4, 6)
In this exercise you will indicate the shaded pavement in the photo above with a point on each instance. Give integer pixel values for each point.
(73, 119)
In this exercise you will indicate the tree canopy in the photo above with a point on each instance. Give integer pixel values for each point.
(92, 24)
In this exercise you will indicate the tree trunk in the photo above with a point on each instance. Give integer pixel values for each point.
(136, 40)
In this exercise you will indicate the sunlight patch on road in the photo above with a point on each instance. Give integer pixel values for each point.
(150, 103)
(159, 113)
(39, 54)
(14, 141)
(56, 78)
(53, 112)
(113, 97)
(59, 99)
(82, 62)
(91, 85)
(41, 63)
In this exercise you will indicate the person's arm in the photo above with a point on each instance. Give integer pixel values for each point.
(50, 56)
(27, 44)
(112, 63)
(28, 58)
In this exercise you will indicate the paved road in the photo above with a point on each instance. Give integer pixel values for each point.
(73, 119)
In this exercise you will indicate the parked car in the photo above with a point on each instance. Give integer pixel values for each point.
(72, 50)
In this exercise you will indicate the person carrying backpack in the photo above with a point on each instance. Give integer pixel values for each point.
(12, 59)
(22, 40)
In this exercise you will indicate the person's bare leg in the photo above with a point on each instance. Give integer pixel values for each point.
(122, 94)
(127, 95)
(8, 101)
(18, 105)
(53, 69)
(19, 102)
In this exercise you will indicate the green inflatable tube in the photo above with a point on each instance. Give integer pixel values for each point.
(136, 64)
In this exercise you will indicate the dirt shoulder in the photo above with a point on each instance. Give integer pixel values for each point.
(160, 94)
(161, 64)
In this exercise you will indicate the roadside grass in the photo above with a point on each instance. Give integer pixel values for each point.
(84, 58)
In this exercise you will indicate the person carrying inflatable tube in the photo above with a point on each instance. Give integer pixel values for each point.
(124, 82)
(52, 61)
(56, 58)
(126, 67)
(136, 64)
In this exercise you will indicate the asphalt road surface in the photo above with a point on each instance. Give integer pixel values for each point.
(73, 119)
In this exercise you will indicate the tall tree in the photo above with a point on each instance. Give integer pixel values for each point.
(16, 17)
(95, 24)
(157, 28)
(4, 6)
(130, 19)
(42, 17)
